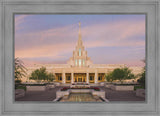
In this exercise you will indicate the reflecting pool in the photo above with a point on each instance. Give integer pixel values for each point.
(81, 97)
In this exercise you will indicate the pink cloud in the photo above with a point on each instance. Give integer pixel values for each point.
(19, 20)
(57, 41)
(45, 50)
(115, 34)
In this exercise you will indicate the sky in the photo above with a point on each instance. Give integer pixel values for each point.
(108, 39)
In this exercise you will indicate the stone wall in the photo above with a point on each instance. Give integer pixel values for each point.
(36, 88)
(122, 88)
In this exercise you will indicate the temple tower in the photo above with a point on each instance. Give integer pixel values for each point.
(79, 58)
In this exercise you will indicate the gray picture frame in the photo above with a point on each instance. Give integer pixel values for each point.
(7, 10)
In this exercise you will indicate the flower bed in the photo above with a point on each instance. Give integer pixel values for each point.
(78, 87)
(96, 88)
(65, 88)
(80, 84)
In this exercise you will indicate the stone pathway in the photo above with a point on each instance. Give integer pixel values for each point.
(50, 95)
(112, 95)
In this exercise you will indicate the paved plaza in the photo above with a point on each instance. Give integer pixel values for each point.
(50, 95)
(113, 95)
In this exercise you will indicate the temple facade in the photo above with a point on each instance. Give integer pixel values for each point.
(80, 68)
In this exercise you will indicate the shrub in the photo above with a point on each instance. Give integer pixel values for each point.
(142, 79)
(21, 87)
(138, 87)
(18, 81)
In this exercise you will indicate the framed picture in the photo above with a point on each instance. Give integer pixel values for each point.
(79, 57)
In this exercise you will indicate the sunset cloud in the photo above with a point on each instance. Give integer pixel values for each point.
(60, 41)
(19, 20)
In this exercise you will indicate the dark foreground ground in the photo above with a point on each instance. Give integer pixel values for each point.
(50, 95)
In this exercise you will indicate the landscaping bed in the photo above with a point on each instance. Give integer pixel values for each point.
(94, 88)
(138, 87)
(20, 86)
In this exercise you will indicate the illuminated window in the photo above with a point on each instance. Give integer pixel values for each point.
(100, 78)
(83, 62)
(91, 77)
(79, 51)
(59, 76)
(68, 78)
(79, 62)
(76, 62)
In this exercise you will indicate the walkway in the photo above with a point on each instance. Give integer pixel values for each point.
(112, 95)
(50, 95)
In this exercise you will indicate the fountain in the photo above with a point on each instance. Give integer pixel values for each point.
(80, 94)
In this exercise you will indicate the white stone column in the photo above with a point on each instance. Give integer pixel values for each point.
(96, 77)
(72, 78)
(63, 77)
(87, 78)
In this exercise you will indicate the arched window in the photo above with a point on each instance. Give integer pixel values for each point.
(79, 51)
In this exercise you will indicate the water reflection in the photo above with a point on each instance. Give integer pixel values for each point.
(81, 97)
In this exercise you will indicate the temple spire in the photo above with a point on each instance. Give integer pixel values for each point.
(79, 35)
(79, 28)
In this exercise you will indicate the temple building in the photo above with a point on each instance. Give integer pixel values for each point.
(80, 68)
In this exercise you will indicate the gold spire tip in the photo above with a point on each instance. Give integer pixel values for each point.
(79, 24)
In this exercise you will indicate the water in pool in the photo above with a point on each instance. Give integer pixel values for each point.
(80, 97)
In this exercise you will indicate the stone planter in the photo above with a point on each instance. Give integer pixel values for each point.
(57, 83)
(80, 86)
(109, 85)
(62, 93)
(36, 88)
(50, 86)
(19, 93)
(122, 87)
(140, 93)
(99, 93)
(102, 84)
(80, 90)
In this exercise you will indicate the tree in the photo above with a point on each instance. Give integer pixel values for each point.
(121, 74)
(109, 77)
(20, 69)
(42, 74)
(50, 77)
(141, 80)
